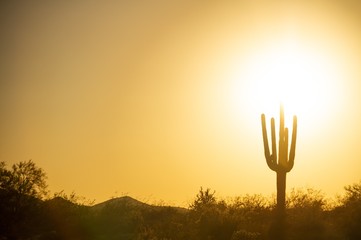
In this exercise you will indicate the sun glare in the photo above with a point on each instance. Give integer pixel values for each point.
(303, 79)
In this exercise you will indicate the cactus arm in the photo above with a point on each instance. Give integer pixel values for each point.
(265, 139)
(293, 145)
(281, 139)
(285, 149)
(274, 147)
(269, 158)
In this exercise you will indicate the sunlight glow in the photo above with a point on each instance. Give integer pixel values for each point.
(303, 79)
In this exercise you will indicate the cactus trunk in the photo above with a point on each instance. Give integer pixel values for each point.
(281, 192)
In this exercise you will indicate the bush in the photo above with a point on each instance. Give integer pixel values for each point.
(350, 212)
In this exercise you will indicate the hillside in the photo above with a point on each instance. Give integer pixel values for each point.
(125, 201)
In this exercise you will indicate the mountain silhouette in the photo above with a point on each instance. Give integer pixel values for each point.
(127, 203)
(124, 201)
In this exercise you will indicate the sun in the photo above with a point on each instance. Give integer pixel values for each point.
(302, 78)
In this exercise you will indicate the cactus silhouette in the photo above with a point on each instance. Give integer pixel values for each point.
(282, 162)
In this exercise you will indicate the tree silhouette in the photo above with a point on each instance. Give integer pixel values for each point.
(21, 189)
(24, 178)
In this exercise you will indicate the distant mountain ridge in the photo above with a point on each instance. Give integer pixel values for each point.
(124, 202)
(121, 201)
(129, 202)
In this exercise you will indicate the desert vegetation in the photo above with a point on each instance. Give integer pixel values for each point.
(28, 212)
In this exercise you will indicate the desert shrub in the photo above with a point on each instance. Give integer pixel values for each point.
(253, 213)
(348, 214)
(211, 218)
(245, 235)
(162, 222)
(305, 216)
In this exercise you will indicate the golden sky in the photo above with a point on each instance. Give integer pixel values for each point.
(155, 99)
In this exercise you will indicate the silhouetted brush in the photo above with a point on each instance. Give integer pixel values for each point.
(282, 162)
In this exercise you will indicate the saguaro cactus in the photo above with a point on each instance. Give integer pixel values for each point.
(282, 162)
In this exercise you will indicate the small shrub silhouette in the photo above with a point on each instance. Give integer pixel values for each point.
(244, 235)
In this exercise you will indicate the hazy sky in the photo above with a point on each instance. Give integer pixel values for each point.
(155, 99)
